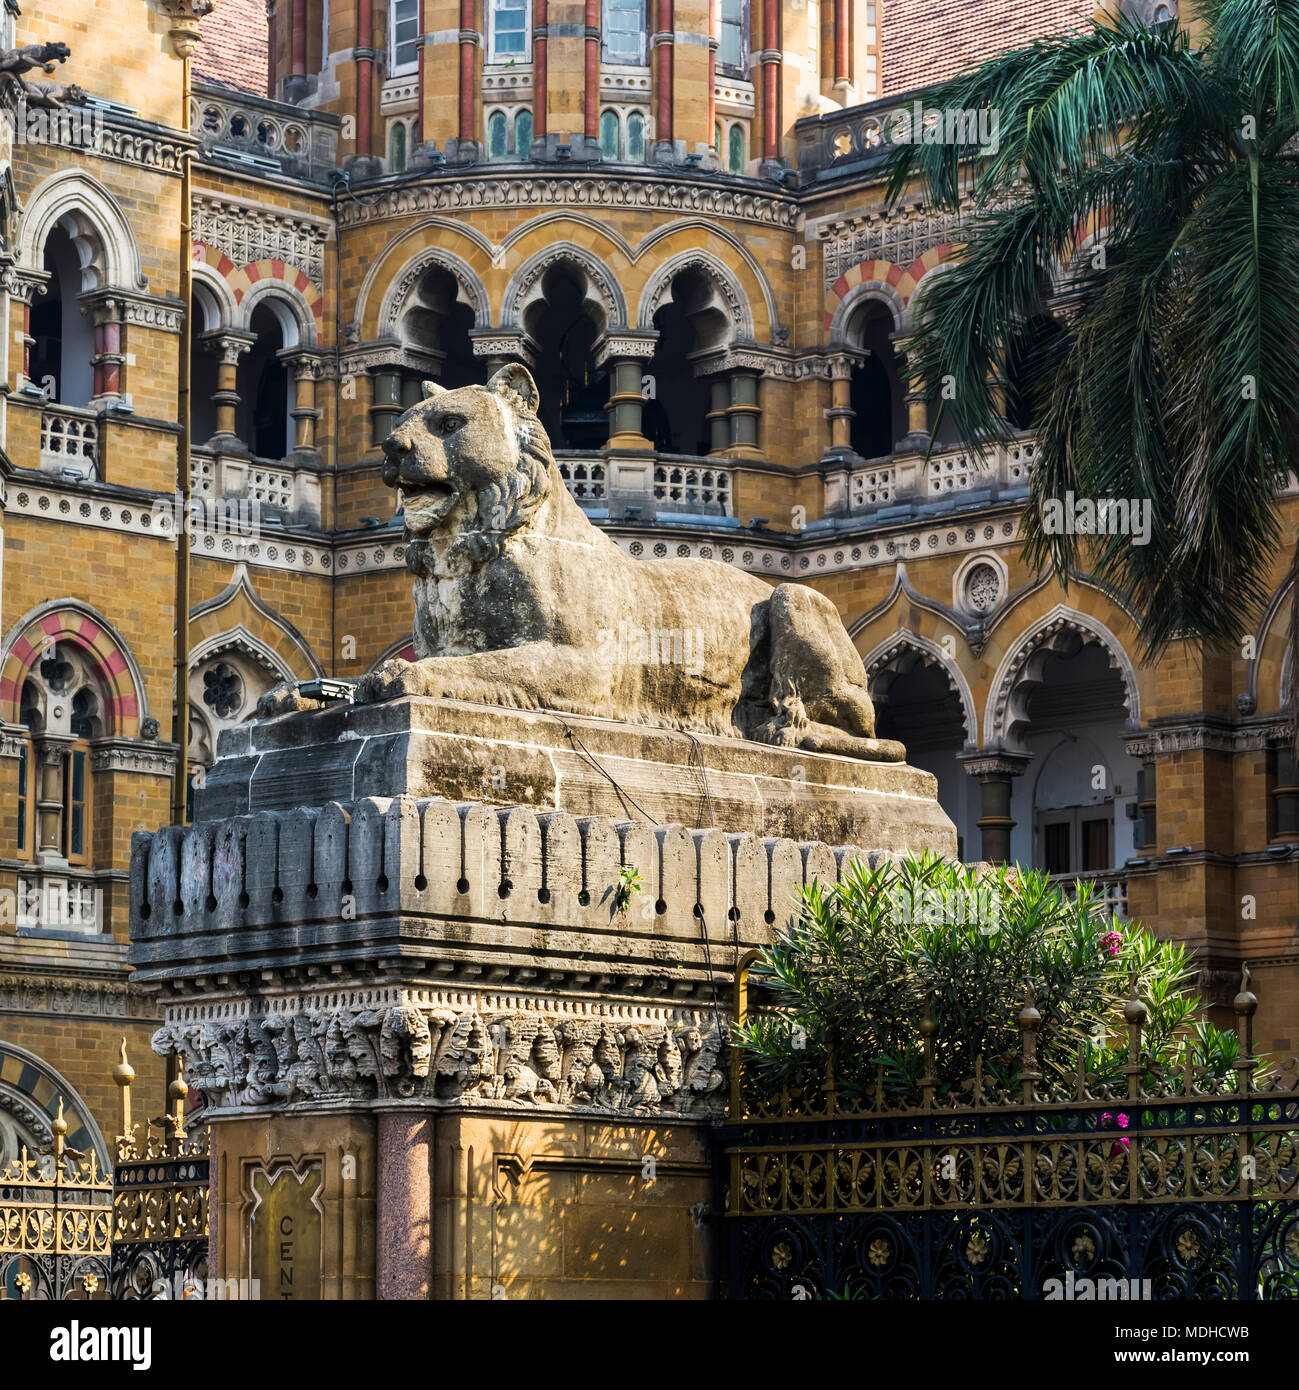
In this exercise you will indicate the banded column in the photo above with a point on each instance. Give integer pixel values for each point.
(591, 87)
(50, 753)
(227, 347)
(24, 288)
(365, 56)
(719, 417)
(842, 52)
(841, 413)
(662, 41)
(745, 413)
(771, 62)
(307, 369)
(298, 40)
(540, 96)
(626, 356)
(917, 435)
(465, 147)
(996, 771)
(106, 314)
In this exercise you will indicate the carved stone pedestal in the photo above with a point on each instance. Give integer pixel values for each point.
(424, 747)
(458, 1050)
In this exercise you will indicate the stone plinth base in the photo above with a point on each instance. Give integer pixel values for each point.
(548, 761)
(410, 1205)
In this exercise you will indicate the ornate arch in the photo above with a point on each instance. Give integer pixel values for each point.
(209, 281)
(1006, 716)
(901, 651)
(126, 703)
(237, 615)
(99, 228)
(881, 291)
(296, 313)
(30, 1090)
(735, 303)
(603, 290)
(403, 647)
(469, 289)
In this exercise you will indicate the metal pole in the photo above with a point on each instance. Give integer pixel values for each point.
(180, 698)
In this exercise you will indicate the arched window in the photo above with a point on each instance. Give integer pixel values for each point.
(62, 697)
(636, 137)
(64, 339)
(496, 132)
(397, 149)
(263, 420)
(735, 149)
(523, 135)
(625, 37)
(509, 37)
(403, 36)
(609, 135)
(733, 38)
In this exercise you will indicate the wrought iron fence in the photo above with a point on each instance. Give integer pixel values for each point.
(55, 1219)
(1172, 1187)
(70, 1231)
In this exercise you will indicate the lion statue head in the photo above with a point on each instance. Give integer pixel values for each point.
(472, 466)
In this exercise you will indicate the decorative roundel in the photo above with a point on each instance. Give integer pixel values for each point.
(660, 550)
(981, 587)
(637, 549)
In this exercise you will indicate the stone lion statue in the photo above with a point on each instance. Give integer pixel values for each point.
(521, 601)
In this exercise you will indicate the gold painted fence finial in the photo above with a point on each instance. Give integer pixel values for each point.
(123, 1075)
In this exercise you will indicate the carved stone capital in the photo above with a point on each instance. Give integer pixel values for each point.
(995, 764)
(227, 346)
(636, 346)
(185, 15)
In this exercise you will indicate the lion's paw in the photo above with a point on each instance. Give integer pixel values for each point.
(394, 679)
(283, 699)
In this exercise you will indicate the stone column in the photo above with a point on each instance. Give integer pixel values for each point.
(106, 314)
(227, 347)
(404, 1209)
(24, 287)
(719, 417)
(540, 104)
(591, 74)
(365, 56)
(307, 369)
(995, 771)
(626, 356)
(467, 147)
(745, 414)
(917, 436)
(661, 49)
(771, 61)
(50, 753)
(842, 62)
(841, 413)
(385, 402)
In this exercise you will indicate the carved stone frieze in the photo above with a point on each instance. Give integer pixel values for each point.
(253, 234)
(453, 1049)
(528, 191)
(34, 994)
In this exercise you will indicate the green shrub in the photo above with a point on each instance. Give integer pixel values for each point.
(867, 959)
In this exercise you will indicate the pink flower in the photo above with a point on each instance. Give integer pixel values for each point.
(1112, 942)
(1123, 1123)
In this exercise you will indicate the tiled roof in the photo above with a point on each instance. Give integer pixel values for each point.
(234, 47)
(929, 41)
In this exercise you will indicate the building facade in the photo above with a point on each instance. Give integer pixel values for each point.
(671, 211)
